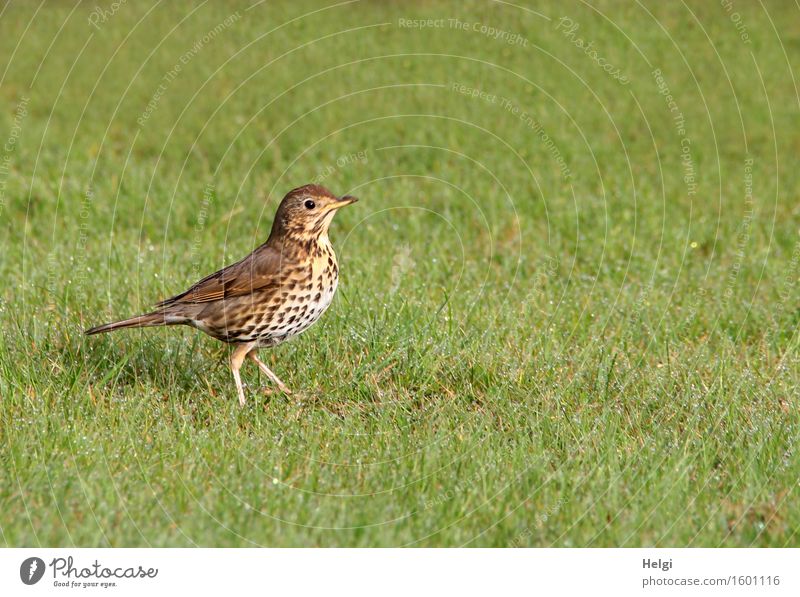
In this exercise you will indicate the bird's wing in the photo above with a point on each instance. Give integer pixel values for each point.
(258, 270)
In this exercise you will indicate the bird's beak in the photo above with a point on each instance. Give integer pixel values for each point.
(344, 201)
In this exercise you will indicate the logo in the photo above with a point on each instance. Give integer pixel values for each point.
(31, 571)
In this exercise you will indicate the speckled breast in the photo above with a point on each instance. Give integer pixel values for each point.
(305, 302)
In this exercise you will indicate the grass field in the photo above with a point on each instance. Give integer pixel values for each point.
(569, 300)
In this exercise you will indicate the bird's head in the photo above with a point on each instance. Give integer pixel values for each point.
(306, 212)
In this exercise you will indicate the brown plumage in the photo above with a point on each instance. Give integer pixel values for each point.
(276, 292)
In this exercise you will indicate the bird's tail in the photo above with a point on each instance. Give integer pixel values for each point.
(140, 321)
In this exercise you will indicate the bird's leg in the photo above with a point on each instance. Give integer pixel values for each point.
(237, 358)
(274, 378)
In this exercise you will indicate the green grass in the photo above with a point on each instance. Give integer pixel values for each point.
(544, 335)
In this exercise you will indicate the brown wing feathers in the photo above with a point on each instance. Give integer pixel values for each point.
(257, 271)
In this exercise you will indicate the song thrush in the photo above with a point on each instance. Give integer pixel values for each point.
(276, 292)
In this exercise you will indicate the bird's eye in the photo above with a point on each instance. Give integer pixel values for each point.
(310, 204)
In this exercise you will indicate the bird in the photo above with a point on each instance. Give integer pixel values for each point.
(278, 291)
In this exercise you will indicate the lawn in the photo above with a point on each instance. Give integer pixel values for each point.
(568, 305)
